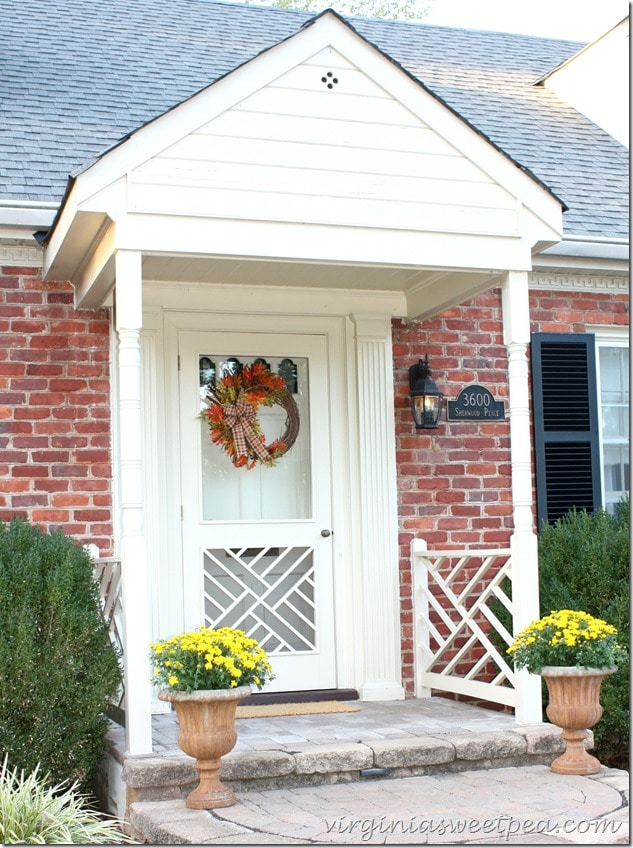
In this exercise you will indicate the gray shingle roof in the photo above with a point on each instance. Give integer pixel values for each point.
(76, 76)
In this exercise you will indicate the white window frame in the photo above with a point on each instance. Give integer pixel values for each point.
(606, 337)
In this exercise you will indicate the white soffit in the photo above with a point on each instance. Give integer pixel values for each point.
(167, 195)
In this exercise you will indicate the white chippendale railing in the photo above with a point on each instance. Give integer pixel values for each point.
(460, 641)
(107, 573)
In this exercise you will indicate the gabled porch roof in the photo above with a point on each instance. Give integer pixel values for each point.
(373, 185)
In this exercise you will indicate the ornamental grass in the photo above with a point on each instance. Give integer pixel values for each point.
(210, 659)
(33, 812)
(567, 638)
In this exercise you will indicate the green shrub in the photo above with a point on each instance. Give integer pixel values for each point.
(58, 669)
(584, 565)
(34, 813)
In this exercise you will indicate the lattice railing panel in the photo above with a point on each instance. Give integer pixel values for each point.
(267, 592)
(461, 598)
(107, 573)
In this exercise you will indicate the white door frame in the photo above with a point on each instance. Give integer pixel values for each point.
(366, 587)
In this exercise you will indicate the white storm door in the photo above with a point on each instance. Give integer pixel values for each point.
(257, 544)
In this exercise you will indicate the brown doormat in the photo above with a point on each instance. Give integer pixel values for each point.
(309, 708)
(301, 696)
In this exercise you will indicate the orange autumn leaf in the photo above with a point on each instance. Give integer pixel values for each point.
(256, 386)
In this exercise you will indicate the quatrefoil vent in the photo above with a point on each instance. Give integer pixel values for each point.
(329, 80)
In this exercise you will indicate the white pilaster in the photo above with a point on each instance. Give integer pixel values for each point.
(378, 518)
(525, 592)
(129, 320)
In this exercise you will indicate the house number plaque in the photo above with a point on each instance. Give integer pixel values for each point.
(475, 403)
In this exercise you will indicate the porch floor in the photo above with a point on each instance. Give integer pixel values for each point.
(377, 720)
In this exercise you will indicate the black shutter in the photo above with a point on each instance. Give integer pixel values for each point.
(566, 437)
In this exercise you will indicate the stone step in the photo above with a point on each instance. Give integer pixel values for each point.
(172, 776)
(513, 805)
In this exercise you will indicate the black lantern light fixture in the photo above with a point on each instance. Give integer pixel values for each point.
(426, 398)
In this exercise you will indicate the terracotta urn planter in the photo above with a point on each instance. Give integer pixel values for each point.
(574, 705)
(207, 732)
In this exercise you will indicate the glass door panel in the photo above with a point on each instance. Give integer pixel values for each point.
(282, 491)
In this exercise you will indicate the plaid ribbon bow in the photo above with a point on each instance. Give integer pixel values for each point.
(239, 417)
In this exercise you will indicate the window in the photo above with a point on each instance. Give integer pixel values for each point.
(581, 434)
(613, 394)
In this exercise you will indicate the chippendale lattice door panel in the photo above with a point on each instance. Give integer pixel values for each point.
(257, 542)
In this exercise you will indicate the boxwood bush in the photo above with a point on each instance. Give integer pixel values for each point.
(58, 668)
(584, 565)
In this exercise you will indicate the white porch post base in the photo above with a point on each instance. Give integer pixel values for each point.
(529, 709)
(377, 691)
(524, 544)
(378, 603)
(138, 703)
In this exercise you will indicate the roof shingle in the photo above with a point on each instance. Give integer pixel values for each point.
(77, 79)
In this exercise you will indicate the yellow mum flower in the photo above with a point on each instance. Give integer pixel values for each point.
(210, 659)
(566, 638)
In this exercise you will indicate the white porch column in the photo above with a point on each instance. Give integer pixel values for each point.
(380, 612)
(525, 592)
(129, 320)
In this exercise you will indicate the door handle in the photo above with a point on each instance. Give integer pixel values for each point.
(326, 533)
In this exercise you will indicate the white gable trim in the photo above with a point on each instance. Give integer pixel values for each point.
(595, 81)
(101, 188)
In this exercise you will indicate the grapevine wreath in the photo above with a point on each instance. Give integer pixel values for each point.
(232, 415)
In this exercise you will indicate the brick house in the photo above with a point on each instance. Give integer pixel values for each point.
(343, 199)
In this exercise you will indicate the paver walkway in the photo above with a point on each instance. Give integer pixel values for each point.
(528, 805)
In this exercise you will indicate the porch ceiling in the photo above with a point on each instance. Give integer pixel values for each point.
(425, 291)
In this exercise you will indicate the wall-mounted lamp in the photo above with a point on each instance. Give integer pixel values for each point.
(426, 398)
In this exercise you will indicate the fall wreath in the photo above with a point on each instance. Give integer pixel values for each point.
(232, 415)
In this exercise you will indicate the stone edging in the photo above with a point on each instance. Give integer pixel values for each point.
(163, 777)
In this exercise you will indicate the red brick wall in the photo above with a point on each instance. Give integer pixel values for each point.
(55, 438)
(454, 484)
(577, 312)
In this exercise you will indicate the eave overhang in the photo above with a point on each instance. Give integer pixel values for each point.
(430, 269)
